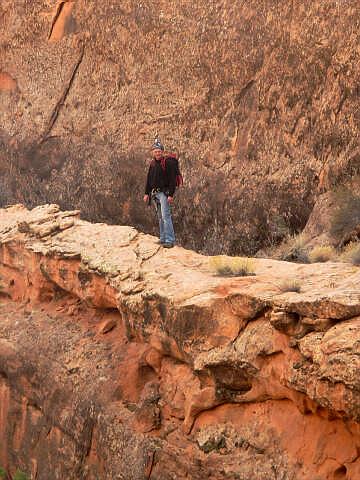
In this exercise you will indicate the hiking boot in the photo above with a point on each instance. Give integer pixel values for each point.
(159, 242)
(168, 245)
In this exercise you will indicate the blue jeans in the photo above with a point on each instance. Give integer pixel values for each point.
(163, 211)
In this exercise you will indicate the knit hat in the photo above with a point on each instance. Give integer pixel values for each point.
(157, 144)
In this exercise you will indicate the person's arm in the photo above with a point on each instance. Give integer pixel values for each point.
(147, 186)
(171, 175)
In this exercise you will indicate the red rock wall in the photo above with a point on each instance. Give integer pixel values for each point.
(82, 404)
(260, 98)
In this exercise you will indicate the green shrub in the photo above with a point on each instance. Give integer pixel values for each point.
(290, 285)
(351, 253)
(20, 476)
(347, 213)
(322, 253)
(232, 266)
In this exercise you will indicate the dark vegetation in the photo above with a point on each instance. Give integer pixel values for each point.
(347, 214)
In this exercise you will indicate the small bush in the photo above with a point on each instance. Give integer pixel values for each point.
(232, 266)
(293, 249)
(322, 253)
(290, 285)
(351, 253)
(242, 267)
(20, 476)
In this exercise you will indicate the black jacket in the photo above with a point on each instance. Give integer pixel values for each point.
(163, 179)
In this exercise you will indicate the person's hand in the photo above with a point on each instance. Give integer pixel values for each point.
(170, 199)
(146, 198)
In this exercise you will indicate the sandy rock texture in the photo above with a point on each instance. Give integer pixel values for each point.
(122, 360)
(260, 98)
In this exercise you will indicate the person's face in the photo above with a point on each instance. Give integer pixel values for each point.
(157, 153)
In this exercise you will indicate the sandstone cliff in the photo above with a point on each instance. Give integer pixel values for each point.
(261, 99)
(122, 360)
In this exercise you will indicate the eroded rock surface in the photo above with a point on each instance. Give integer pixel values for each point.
(261, 99)
(122, 360)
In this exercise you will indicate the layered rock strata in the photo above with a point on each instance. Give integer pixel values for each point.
(260, 98)
(122, 360)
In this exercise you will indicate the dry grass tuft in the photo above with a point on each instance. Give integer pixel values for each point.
(290, 285)
(293, 249)
(232, 266)
(351, 253)
(322, 253)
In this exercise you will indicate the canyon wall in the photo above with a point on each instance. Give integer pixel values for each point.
(123, 360)
(260, 98)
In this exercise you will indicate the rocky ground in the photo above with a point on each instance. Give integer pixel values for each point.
(260, 98)
(122, 360)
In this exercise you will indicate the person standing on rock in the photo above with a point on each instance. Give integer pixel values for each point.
(160, 187)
